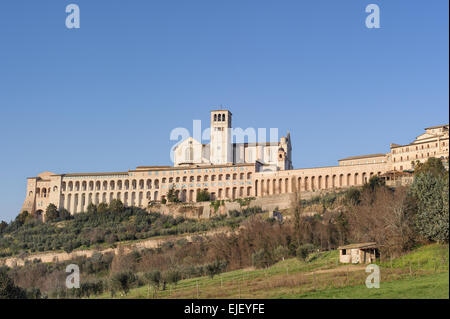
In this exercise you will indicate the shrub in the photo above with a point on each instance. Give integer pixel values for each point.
(304, 250)
(262, 258)
(203, 196)
(123, 281)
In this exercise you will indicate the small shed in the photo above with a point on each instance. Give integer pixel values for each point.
(364, 253)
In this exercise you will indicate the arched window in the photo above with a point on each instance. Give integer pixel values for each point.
(215, 117)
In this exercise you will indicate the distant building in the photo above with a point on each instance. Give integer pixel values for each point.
(363, 253)
(227, 170)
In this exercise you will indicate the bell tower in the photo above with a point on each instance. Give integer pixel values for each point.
(220, 149)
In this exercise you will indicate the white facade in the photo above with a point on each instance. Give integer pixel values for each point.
(273, 156)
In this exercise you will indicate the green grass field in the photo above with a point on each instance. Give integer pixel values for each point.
(423, 273)
(435, 286)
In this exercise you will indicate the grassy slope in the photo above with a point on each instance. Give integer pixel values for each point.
(427, 277)
(422, 287)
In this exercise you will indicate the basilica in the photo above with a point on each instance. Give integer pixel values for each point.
(227, 169)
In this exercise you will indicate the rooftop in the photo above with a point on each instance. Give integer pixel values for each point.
(437, 126)
(359, 245)
(362, 156)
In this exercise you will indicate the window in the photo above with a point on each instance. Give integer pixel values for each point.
(344, 252)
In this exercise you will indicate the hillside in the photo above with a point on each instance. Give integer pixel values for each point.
(423, 273)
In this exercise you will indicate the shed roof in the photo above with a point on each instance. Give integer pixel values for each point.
(359, 245)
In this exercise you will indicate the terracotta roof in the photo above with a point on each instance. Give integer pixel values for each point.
(362, 156)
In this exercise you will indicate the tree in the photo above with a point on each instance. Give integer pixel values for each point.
(304, 250)
(3, 226)
(281, 252)
(262, 258)
(433, 166)
(92, 208)
(153, 278)
(23, 217)
(51, 213)
(352, 196)
(8, 290)
(102, 208)
(122, 281)
(215, 268)
(203, 196)
(116, 206)
(374, 183)
(173, 277)
(64, 214)
(431, 194)
(172, 195)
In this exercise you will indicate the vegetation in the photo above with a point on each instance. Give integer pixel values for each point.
(102, 225)
(319, 277)
(203, 196)
(399, 219)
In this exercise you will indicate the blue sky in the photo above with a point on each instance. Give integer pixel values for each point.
(106, 96)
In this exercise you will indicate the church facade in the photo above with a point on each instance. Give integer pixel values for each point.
(227, 170)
